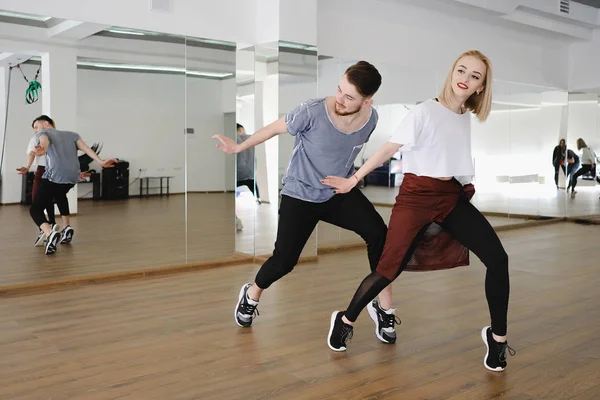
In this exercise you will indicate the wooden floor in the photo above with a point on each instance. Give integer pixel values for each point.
(175, 338)
(125, 237)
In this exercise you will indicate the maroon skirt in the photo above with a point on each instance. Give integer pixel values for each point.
(422, 204)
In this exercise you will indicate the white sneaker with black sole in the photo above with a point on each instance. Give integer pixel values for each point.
(384, 322)
(52, 243)
(67, 235)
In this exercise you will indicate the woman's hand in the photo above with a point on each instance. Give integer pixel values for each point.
(340, 185)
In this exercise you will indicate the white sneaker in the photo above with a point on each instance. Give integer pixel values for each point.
(238, 224)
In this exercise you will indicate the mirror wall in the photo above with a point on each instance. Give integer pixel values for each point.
(582, 140)
(153, 101)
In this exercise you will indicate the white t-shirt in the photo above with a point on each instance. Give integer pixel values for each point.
(588, 156)
(436, 142)
(39, 161)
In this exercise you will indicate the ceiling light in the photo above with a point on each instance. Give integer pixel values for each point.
(155, 68)
(24, 16)
(125, 32)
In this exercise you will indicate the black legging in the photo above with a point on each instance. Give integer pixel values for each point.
(474, 232)
(585, 168)
(250, 184)
(46, 194)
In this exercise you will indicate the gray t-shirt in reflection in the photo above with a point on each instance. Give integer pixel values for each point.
(62, 162)
(320, 149)
(245, 161)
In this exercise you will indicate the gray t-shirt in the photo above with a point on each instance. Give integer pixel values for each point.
(320, 149)
(62, 163)
(245, 161)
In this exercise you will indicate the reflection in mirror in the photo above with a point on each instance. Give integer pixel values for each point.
(122, 90)
(210, 90)
(511, 152)
(583, 139)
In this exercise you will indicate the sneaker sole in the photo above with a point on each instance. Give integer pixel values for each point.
(487, 351)
(236, 307)
(373, 315)
(331, 324)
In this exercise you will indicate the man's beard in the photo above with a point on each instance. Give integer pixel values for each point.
(344, 113)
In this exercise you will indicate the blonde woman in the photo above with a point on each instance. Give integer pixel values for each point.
(435, 138)
(588, 163)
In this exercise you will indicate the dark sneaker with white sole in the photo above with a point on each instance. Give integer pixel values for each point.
(52, 243)
(339, 332)
(67, 235)
(245, 309)
(495, 355)
(384, 322)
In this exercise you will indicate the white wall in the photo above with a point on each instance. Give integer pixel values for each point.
(404, 35)
(140, 118)
(231, 20)
(584, 64)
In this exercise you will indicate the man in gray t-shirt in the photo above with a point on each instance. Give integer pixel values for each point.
(329, 133)
(62, 173)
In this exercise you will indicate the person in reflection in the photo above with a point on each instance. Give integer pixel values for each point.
(558, 159)
(329, 134)
(435, 140)
(41, 168)
(573, 165)
(62, 173)
(246, 165)
(588, 164)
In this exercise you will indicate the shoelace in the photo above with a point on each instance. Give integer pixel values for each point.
(502, 347)
(249, 309)
(389, 320)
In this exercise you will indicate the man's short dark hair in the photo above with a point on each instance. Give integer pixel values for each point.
(240, 126)
(365, 77)
(43, 118)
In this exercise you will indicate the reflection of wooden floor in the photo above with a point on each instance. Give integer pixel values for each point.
(519, 199)
(174, 338)
(120, 236)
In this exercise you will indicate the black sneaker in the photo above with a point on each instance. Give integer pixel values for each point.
(384, 322)
(67, 235)
(52, 243)
(339, 332)
(495, 355)
(245, 310)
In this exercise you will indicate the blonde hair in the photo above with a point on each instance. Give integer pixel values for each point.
(581, 144)
(478, 104)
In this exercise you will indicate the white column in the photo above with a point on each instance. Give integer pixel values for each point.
(59, 96)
